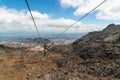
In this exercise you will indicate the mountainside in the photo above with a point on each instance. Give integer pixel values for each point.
(101, 50)
(19, 64)
(110, 34)
(95, 56)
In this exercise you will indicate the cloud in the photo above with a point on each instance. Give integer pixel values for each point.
(14, 20)
(71, 3)
(110, 10)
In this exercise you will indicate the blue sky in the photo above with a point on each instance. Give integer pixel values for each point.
(58, 15)
(51, 7)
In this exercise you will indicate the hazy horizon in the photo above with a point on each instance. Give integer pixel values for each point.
(55, 16)
(22, 36)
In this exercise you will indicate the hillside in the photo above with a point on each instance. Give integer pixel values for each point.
(19, 64)
(102, 51)
(110, 34)
(91, 57)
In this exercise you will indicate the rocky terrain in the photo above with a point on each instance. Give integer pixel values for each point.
(95, 56)
(110, 34)
(101, 51)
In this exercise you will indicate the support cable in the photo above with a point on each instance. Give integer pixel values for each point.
(32, 18)
(80, 19)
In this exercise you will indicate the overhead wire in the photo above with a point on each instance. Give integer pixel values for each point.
(28, 6)
(79, 19)
(67, 27)
(35, 25)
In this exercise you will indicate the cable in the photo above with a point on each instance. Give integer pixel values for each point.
(80, 19)
(32, 18)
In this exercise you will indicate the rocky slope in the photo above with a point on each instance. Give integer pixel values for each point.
(101, 50)
(109, 34)
(88, 58)
(63, 64)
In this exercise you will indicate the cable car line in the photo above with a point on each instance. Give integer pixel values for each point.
(80, 19)
(28, 6)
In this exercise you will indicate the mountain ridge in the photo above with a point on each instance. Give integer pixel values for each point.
(107, 33)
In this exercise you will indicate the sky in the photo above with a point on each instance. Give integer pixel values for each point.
(54, 16)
